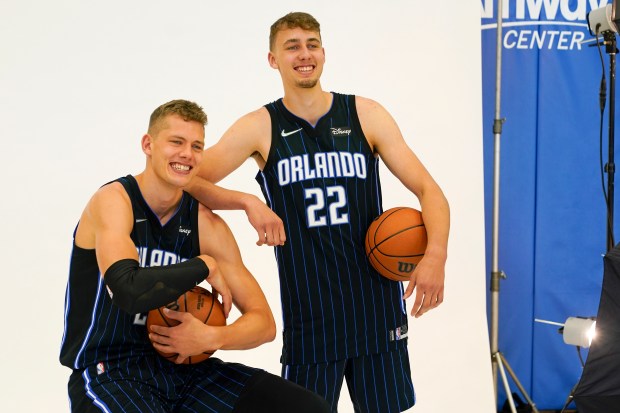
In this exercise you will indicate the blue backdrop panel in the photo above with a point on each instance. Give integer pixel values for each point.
(570, 211)
(552, 209)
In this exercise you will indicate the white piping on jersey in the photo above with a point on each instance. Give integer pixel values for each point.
(90, 393)
(92, 322)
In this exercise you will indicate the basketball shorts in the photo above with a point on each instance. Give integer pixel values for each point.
(377, 382)
(153, 384)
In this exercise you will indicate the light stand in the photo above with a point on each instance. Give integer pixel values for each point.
(604, 22)
(497, 358)
(571, 395)
(610, 168)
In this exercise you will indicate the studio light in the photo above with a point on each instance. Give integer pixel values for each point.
(603, 19)
(578, 331)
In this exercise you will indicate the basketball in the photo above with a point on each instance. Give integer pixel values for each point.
(202, 305)
(395, 242)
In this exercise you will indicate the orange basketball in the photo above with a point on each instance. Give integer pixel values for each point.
(395, 242)
(202, 305)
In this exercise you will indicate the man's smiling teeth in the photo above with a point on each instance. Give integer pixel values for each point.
(304, 68)
(180, 167)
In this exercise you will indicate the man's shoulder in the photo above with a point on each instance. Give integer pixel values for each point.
(365, 102)
(112, 187)
(108, 204)
(259, 115)
(253, 121)
(369, 109)
(113, 191)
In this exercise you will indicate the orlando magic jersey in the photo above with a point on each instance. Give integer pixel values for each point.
(323, 182)
(96, 330)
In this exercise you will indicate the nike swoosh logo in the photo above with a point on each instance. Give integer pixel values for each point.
(285, 134)
(140, 220)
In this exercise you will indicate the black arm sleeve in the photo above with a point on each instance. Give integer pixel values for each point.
(137, 290)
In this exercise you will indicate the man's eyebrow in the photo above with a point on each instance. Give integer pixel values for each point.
(311, 39)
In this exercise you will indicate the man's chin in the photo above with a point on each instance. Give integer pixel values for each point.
(307, 84)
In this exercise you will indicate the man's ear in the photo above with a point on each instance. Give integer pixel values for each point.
(147, 140)
(272, 60)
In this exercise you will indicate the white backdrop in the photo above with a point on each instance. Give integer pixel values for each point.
(78, 80)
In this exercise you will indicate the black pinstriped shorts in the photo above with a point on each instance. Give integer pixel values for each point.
(152, 384)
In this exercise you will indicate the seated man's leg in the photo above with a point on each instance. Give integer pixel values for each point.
(78, 399)
(381, 382)
(268, 393)
(214, 385)
(90, 392)
(324, 379)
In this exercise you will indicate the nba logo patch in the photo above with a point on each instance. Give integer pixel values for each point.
(398, 333)
(100, 368)
(402, 332)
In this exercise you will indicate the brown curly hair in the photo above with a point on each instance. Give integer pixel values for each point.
(293, 20)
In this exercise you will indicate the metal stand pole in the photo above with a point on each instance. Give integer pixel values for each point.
(610, 167)
(570, 397)
(497, 359)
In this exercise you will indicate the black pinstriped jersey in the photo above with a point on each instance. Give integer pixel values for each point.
(96, 330)
(324, 183)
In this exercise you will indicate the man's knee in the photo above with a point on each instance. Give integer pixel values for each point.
(310, 402)
(269, 393)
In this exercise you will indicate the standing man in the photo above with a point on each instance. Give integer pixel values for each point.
(140, 243)
(318, 154)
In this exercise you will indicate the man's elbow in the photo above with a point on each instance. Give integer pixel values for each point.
(269, 332)
(130, 303)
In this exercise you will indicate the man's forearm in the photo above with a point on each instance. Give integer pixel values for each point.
(436, 213)
(217, 198)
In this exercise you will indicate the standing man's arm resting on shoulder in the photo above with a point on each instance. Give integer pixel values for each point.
(256, 324)
(386, 139)
(268, 225)
(249, 137)
(106, 226)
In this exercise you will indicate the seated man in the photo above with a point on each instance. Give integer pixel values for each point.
(140, 243)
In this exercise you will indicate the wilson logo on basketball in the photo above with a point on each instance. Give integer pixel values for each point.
(405, 267)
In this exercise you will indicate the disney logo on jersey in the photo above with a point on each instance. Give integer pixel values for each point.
(341, 131)
(185, 230)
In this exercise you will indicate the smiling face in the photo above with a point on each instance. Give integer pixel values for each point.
(174, 149)
(299, 56)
